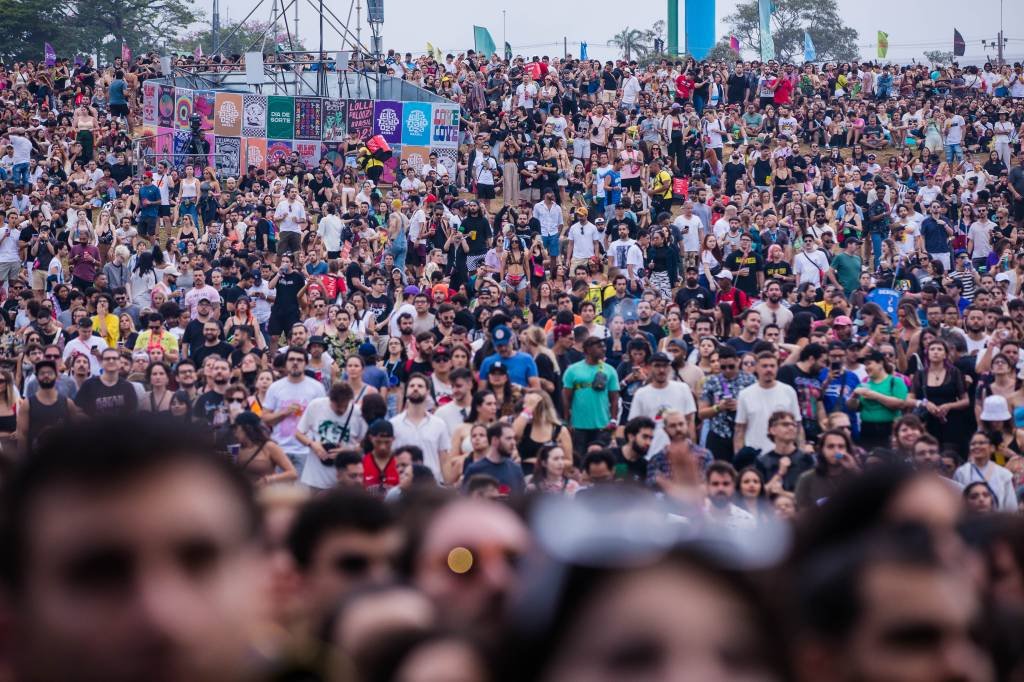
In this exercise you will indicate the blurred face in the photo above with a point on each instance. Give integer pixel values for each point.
(634, 632)
(160, 574)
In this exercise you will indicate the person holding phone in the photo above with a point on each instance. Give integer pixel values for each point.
(881, 399)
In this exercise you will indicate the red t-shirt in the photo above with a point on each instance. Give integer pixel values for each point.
(374, 479)
(783, 91)
(684, 86)
(736, 298)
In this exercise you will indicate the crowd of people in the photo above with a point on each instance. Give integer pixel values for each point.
(682, 370)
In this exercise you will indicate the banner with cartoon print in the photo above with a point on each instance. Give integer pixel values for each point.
(256, 152)
(204, 104)
(254, 116)
(278, 151)
(165, 107)
(182, 108)
(150, 103)
(335, 125)
(308, 118)
(228, 156)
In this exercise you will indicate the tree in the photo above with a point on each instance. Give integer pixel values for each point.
(938, 57)
(103, 25)
(834, 41)
(26, 25)
(237, 38)
(721, 52)
(632, 42)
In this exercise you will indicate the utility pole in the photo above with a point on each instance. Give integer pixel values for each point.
(1000, 33)
(295, 33)
(359, 23)
(215, 26)
(673, 27)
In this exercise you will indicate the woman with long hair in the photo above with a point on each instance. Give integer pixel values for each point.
(483, 411)
(533, 341)
(751, 496)
(394, 358)
(551, 474)
(258, 456)
(244, 316)
(354, 367)
(263, 381)
(538, 424)
(942, 394)
(836, 464)
(142, 280)
(126, 332)
(158, 397)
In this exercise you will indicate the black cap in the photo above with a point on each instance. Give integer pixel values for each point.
(660, 357)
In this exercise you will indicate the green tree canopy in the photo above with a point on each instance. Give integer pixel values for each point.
(721, 52)
(833, 39)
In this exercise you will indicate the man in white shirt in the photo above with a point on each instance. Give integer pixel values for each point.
(692, 227)
(630, 90)
(659, 395)
(954, 129)
(720, 483)
(164, 181)
(811, 265)
(625, 253)
(526, 93)
(85, 344)
(328, 426)
(756, 404)
(22, 147)
(416, 426)
(552, 220)
(411, 184)
(583, 239)
(286, 401)
(290, 217)
(329, 230)
(979, 239)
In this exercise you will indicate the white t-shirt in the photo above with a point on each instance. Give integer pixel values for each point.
(329, 230)
(654, 402)
(624, 253)
(955, 131)
(22, 149)
(526, 95)
(630, 90)
(755, 405)
(430, 435)
(691, 236)
(76, 345)
(583, 236)
(980, 235)
(911, 231)
(9, 247)
(289, 215)
(321, 423)
(283, 394)
(809, 267)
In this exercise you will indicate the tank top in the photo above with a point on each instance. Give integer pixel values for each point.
(42, 417)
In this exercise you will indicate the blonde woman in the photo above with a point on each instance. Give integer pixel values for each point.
(539, 424)
(533, 340)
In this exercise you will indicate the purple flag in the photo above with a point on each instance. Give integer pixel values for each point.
(51, 54)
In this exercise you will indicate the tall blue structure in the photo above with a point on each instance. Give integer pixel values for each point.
(700, 27)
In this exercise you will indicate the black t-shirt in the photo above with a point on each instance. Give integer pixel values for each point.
(288, 286)
(613, 226)
(200, 352)
(97, 399)
(380, 306)
(762, 171)
(736, 261)
(409, 367)
(733, 172)
(478, 234)
(193, 334)
(816, 312)
(211, 407)
(705, 299)
(777, 270)
(353, 273)
(633, 471)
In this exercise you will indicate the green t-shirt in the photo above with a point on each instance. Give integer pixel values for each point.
(875, 412)
(590, 408)
(847, 271)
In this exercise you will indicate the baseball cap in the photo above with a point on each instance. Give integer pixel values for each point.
(599, 221)
(318, 341)
(85, 322)
(501, 335)
(724, 274)
(660, 357)
(842, 321)
(367, 349)
(630, 316)
(411, 290)
(499, 367)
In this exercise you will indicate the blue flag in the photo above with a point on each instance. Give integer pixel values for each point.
(764, 27)
(809, 53)
(583, 51)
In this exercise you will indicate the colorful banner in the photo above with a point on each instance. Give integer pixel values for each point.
(147, 143)
(415, 156)
(204, 103)
(278, 151)
(309, 152)
(256, 152)
(164, 147)
(181, 140)
(449, 158)
(182, 108)
(360, 118)
(254, 116)
(308, 118)
(416, 123)
(165, 107)
(280, 117)
(228, 156)
(387, 121)
(444, 129)
(883, 44)
(227, 119)
(150, 101)
(335, 127)
(49, 54)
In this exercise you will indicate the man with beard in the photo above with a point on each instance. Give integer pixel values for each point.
(720, 483)
(212, 344)
(498, 462)
(416, 426)
(522, 369)
(286, 401)
(771, 308)
(631, 457)
(134, 554)
(660, 395)
(477, 233)
(45, 409)
(211, 406)
(108, 394)
(185, 375)
(691, 290)
(974, 324)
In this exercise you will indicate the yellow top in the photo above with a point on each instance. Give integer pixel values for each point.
(109, 329)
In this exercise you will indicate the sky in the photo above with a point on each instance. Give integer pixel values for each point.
(533, 28)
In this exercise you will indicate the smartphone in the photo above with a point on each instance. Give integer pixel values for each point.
(836, 365)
